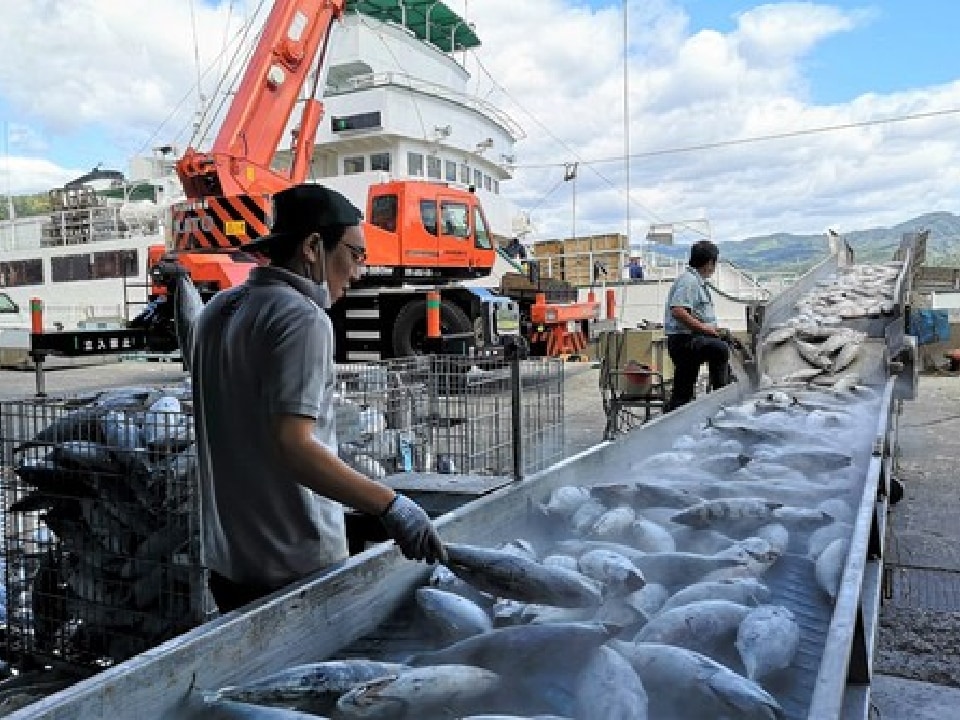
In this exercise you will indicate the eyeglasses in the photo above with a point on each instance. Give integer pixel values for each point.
(358, 253)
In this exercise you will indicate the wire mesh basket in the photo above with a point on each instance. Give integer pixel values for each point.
(449, 414)
(101, 537)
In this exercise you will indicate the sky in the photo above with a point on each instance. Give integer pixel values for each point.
(745, 118)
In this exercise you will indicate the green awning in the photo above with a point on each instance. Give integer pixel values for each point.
(428, 19)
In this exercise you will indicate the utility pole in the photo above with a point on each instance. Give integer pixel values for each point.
(570, 173)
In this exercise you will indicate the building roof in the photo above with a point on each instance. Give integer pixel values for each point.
(427, 19)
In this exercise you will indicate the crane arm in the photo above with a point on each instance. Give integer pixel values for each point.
(294, 39)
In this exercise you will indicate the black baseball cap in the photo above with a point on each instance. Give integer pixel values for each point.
(301, 210)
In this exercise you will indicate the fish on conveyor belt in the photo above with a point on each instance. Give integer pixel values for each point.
(810, 460)
(705, 626)
(609, 688)
(678, 569)
(829, 567)
(743, 591)
(522, 648)
(648, 536)
(682, 683)
(812, 354)
(232, 710)
(565, 500)
(313, 687)
(642, 494)
(819, 539)
(734, 513)
(613, 524)
(846, 356)
(767, 640)
(616, 572)
(453, 616)
(779, 335)
(506, 575)
(515, 717)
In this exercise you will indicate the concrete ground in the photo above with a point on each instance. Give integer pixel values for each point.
(917, 660)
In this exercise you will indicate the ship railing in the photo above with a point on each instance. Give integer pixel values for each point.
(371, 80)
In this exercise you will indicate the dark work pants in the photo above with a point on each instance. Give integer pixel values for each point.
(688, 353)
(230, 595)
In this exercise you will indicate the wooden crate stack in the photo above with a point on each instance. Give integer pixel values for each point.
(572, 259)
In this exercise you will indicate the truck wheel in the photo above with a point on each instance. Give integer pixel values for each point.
(410, 328)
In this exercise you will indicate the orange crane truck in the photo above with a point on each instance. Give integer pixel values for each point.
(420, 235)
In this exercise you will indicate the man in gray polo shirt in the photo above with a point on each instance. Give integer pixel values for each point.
(690, 323)
(263, 375)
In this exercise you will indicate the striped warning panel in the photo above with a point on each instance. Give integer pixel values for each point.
(220, 222)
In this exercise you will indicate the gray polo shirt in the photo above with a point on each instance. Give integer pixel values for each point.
(689, 290)
(263, 349)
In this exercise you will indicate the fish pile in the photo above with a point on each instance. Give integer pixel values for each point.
(856, 291)
(107, 494)
(828, 350)
(653, 597)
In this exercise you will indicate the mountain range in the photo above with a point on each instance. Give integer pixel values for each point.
(784, 252)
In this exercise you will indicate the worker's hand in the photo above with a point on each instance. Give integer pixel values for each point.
(411, 528)
(724, 334)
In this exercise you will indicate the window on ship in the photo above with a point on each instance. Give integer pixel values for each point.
(353, 165)
(380, 161)
(414, 164)
(16, 273)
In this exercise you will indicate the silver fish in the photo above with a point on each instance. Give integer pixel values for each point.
(519, 547)
(314, 687)
(586, 516)
(524, 648)
(232, 710)
(811, 353)
(418, 693)
(649, 599)
(819, 539)
(812, 460)
(615, 571)
(510, 576)
(613, 524)
(801, 519)
(706, 626)
(846, 356)
(839, 340)
(777, 535)
(641, 495)
(767, 640)
(454, 616)
(829, 567)
(677, 569)
(684, 683)
(779, 335)
(648, 536)
(564, 501)
(743, 591)
(563, 561)
(609, 688)
(721, 513)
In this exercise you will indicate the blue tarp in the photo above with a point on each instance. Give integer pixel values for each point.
(929, 326)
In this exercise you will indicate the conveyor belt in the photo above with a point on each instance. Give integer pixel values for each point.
(364, 605)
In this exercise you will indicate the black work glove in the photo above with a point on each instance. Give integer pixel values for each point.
(411, 528)
(724, 335)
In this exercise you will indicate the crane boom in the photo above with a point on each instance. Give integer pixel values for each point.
(295, 35)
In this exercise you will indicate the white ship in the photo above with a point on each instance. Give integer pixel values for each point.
(397, 107)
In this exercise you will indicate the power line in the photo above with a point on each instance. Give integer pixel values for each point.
(758, 138)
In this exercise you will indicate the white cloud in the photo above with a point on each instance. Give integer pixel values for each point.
(126, 69)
